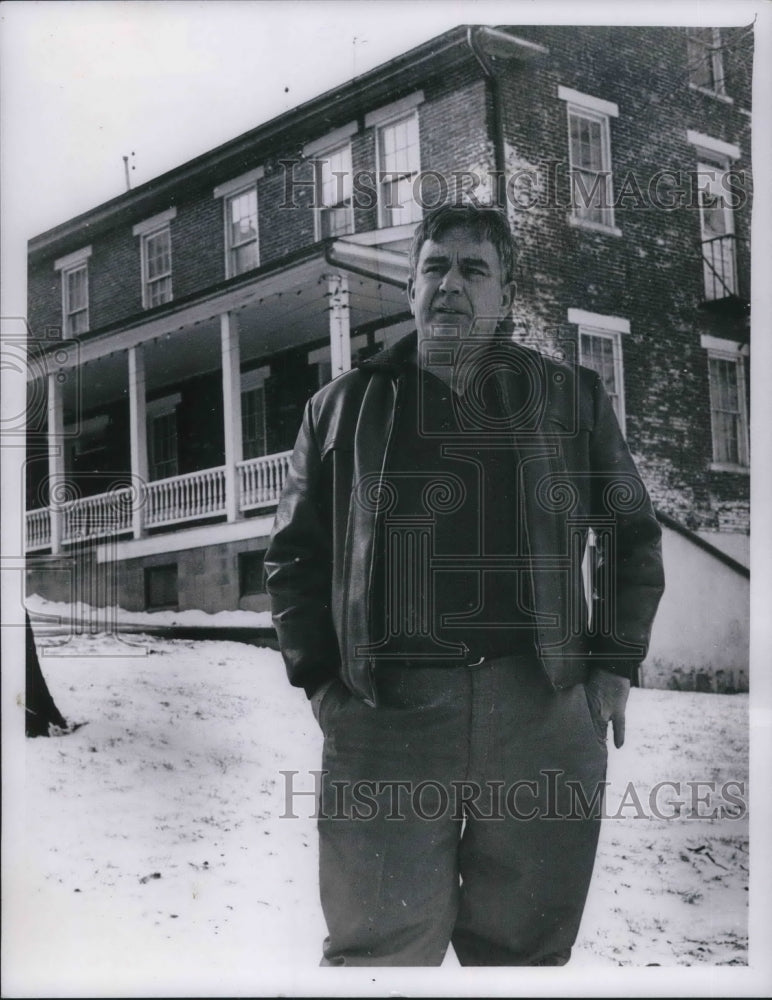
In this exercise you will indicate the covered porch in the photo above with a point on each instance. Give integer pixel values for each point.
(190, 417)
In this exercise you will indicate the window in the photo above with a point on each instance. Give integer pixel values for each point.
(251, 578)
(156, 255)
(589, 157)
(398, 166)
(242, 239)
(600, 348)
(335, 216)
(157, 267)
(241, 231)
(161, 587)
(162, 437)
(728, 404)
(717, 231)
(602, 351)
(75, 282)
(253, 431)
(703, 54)
(74, 269)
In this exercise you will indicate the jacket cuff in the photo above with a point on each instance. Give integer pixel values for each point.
(622, 668)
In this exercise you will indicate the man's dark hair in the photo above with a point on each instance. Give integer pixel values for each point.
(482, 222)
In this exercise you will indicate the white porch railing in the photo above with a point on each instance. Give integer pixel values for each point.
(98, 516)
(185, 498)
(163, 502)
(261, 479)
(38, 529)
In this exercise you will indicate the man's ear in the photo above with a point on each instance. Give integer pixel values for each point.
(411, 294)
(508, 292)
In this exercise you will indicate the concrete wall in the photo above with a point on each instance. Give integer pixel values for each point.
(207, 578)
(701, 633)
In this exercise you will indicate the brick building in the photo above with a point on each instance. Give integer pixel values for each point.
(178, 329)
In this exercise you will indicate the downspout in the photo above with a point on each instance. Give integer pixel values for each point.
(499, 155)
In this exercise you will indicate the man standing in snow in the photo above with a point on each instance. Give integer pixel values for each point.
(426, 576)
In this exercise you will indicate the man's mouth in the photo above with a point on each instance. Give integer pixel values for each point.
(448, 311)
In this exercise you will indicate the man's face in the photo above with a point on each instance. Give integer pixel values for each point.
(458, 286)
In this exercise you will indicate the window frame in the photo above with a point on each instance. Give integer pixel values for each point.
(721, 350)
(250, 381)
(319, 206)
(164, 230)
(155, 410)
(614, 337)
(600, 112)
(148, 571)
(147, 230)
(230, 248)
(382, 173)
(712, 55)
(228, 190)
(68, 266)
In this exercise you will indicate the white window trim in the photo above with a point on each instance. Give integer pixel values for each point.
(378, 170)
(164, 227)
(601, 111)
(715, 94)
(73, 259)
(730, 350)
(318, 157)
(599, 321)
(338, 137)
(163, 406)
(382, 116)
(719, 345)
(713, 146)
(232, 192)
(588, 102)
(255, 378)
(148, 226)
(235, 185)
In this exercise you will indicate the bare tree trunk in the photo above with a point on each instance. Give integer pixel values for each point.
(41, 712)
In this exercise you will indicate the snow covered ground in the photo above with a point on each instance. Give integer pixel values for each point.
(156, 860)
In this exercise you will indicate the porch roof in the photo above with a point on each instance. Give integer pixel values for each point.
(278, 307)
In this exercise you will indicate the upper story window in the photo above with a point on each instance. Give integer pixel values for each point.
(728, 404)
(335, 215)
(600, 348)
(242, 246)
(716, 214)
(398, 160)
(589, 156)
(156, 255)
(74, 270)
(704, 59)
(334, 205)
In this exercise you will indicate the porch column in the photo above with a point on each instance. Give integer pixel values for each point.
(56, 472)
(340, 333)
(138, 436)
(231, 401)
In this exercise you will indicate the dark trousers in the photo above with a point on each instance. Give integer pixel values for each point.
(464, 807)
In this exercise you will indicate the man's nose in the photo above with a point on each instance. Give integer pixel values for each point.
(451, 280)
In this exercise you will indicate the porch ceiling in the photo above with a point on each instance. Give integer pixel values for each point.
(281, 311)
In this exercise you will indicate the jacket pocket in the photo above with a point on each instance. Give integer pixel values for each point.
(332, 700)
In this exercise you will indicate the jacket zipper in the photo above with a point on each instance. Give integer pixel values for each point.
(398, 396)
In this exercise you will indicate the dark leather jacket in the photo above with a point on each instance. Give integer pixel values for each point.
(575, 472)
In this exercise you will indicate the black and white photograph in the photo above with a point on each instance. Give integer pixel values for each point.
(385, 568)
